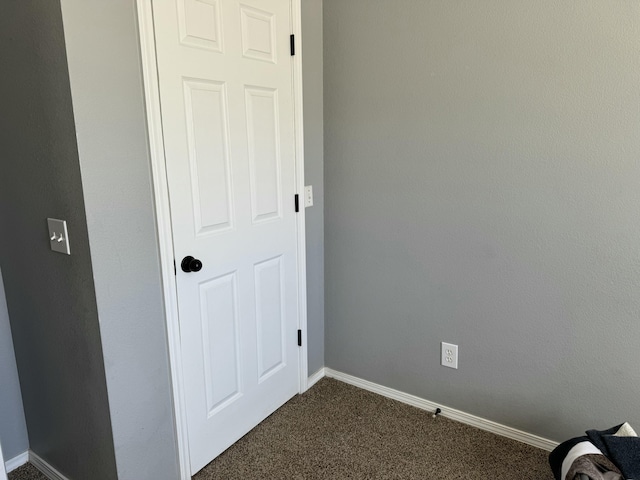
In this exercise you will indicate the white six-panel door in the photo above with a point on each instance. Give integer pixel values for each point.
(225, 77)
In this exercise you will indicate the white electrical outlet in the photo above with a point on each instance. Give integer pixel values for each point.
(308, 196)
(449, 355)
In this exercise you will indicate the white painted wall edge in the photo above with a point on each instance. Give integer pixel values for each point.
(3, 472)
(16, 462)
(447, 412)
(163, 224)
(44, 467)
(316, 377)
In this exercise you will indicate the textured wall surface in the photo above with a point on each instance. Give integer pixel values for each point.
(108, 103)
(50, 296)
(13, 429)
(314, 175)
(482, 181)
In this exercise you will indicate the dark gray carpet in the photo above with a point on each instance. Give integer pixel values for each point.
(26, 472)
(336, 431)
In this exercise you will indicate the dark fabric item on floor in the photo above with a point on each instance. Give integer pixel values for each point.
(623, 451)
(557, 456)
(594, 467)
(336, 431)
(26, 472)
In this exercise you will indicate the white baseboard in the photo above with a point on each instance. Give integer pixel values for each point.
(315, 378)
(16, 462)
(44, 467)
(447, 412)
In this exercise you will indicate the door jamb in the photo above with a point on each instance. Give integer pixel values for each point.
(163, 216)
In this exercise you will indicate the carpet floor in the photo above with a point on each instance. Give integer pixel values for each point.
(26, 472)
(337, 431)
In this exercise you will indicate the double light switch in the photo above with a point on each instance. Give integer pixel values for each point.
(58, 236)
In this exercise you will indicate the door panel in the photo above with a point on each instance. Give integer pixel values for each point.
(270, 318)
(264, 153)
(207, 135)
(220, 341)
(200, 24)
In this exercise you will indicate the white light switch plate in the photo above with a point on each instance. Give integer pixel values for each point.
(308, 196)
(58, 236)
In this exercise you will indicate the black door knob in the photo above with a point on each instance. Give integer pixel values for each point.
(190, 264)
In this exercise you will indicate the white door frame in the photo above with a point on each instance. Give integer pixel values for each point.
(163, 215)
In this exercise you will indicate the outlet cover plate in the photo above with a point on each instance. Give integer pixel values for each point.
(449, 355)
(308, 196)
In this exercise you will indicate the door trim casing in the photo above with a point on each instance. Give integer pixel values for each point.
(163, 216)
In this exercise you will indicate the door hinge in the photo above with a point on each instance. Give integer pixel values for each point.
(292, 43)
(296, 201)
(175, 272)
(299, 338)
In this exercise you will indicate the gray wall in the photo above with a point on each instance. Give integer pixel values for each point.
(50, 296)
(13, 429)
(481, 174)
(106, 86)
(314, 175)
